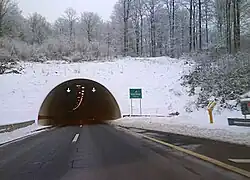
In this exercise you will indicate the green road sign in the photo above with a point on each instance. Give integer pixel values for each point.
(135, 93)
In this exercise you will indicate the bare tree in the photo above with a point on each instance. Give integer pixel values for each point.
(126, 15)
(151, 7)
(136, 24)
(39, 28)
(70, 16)
(61, 26)
(4, 8)
(89, 22)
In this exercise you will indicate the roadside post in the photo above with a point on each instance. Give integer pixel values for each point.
(135, 94)
(210, 108)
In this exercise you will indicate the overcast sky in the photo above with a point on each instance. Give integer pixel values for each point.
(52, 9)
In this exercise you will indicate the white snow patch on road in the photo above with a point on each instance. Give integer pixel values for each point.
(19, 133)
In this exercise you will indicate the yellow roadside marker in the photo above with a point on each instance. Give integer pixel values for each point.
(202, 157)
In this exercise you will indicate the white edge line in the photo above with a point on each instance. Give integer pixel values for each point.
(240, 160)
(75, 138)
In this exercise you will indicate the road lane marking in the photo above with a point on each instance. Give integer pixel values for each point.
(75, 138)
(240, 160)
(202, 157)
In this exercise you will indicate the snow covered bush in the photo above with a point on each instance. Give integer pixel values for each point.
(224, 79)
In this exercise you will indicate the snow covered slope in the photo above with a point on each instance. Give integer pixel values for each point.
(22, 95)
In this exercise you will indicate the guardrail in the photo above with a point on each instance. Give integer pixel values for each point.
(143, 115)
(14, 126)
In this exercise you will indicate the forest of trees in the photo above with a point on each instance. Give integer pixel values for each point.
(136, 28)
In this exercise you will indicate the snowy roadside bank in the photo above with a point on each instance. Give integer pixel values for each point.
(19, 133)
(180, 125)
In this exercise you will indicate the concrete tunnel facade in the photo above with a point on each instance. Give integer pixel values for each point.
(78, 101)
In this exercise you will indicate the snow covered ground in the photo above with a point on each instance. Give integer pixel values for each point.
(19, 133)
(159, 78)
(186, 126)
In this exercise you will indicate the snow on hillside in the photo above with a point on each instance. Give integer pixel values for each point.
(22, 95)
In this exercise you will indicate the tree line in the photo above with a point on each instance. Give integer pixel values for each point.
(136, 28)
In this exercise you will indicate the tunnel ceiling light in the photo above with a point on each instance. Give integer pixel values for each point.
(93, 90)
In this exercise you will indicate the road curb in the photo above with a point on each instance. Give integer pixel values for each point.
(202, 157)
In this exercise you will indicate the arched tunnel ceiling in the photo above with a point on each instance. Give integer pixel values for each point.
(78, 101)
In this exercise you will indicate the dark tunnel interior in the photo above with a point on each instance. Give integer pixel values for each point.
(78, 101)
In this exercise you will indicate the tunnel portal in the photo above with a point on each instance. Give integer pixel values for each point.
(78, 101)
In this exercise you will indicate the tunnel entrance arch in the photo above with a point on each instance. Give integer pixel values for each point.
(78, 101)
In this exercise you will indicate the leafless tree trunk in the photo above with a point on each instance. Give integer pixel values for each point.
(141, 32)
(190, 24)
(136, 25)
(200, 35)
(234, 26)
(238, 24)
(152, 22)
(141, 25)
(206, 21)
(228, 27)
(194, 27)
(152, 28)
(173, 29)
(126, 11)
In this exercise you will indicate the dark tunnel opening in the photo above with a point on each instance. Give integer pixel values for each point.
(78, 101)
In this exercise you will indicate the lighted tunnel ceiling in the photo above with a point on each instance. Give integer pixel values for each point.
(78, 101)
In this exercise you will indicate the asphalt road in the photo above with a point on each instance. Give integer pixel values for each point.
(99, 152)
(222, 151)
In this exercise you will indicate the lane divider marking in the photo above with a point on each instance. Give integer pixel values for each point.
(240, 160)
(75, 138)
(202, 157)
